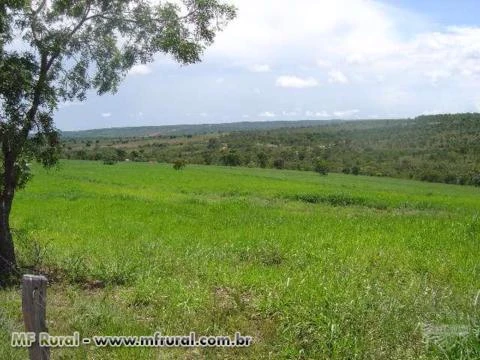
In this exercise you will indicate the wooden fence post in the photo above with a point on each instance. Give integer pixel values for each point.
(34, 293)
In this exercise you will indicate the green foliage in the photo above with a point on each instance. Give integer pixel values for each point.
(184, 130)
(109, 161)
(321, 167)
(213, 144)
(339, 199)
(231, 158)
(70, 48)
(475, 179)
(179, 164)
(440, 148)
(262, 159)
(279, 163)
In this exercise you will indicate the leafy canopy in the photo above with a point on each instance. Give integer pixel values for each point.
(58, 50)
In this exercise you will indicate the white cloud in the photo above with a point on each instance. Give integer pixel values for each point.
(316, 114)
(323, 63)
(395, 55)
(220, 80)
(375, 37)
(436, 75)
(452, 53)
(260, 68)
(70, 103)
(393, 97)
(267, 114)
(289, 113)
(296, 82)
(355, 59)
(138, 116)
(322, 114)
(337, 77)
(106, 114)
(140, 69)
(203, 114)
(431, 112)
(346, 113)
(270, 29)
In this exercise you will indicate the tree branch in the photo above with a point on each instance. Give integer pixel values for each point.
(70, 34)
(37, 97)
(40, 7)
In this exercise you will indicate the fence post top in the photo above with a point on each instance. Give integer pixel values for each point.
(28, 277)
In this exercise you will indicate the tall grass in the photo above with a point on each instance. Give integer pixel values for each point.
(311, 266)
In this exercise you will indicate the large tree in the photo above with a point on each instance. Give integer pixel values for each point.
(53, 51)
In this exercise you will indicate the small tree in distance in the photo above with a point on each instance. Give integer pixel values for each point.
(279, 164)
(321, 167)
(179, 164)
(262, 159)
(64, 48)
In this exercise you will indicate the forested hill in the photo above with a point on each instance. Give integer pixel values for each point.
(194, 129)
(438, 148)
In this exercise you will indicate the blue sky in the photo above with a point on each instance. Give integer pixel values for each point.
(308, 59)
(443, 12)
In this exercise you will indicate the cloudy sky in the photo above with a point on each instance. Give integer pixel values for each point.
(308, 59)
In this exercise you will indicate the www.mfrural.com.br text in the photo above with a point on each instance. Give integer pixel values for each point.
(44, 339)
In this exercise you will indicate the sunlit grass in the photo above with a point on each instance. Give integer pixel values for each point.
(311, 266)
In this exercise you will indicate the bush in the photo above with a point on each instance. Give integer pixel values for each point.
(476, 180)
(355, 170)
(450, 179)
(431, 176)
(262, 159)
(231, 159)
(109, 161)
(279, 164)
(321, 167)
(179, 164)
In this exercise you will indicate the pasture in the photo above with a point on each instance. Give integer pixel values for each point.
(310, 266)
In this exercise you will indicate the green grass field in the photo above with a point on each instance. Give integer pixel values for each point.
(332, 267)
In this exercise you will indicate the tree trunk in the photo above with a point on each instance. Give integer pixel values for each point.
(8, 263)
(7, 254)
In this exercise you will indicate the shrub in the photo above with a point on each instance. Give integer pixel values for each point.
(355, 170)
(321, 167)
(120, 154)
(279, 164)
(333, 199)
(213, 144)
(476, 179)
(231, 159)
(179, 164)
(431, 176)
(262, 159)
(450, 179)
(109, 161)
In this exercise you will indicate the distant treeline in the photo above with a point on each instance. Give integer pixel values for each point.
(193, 129)
(437, 148)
